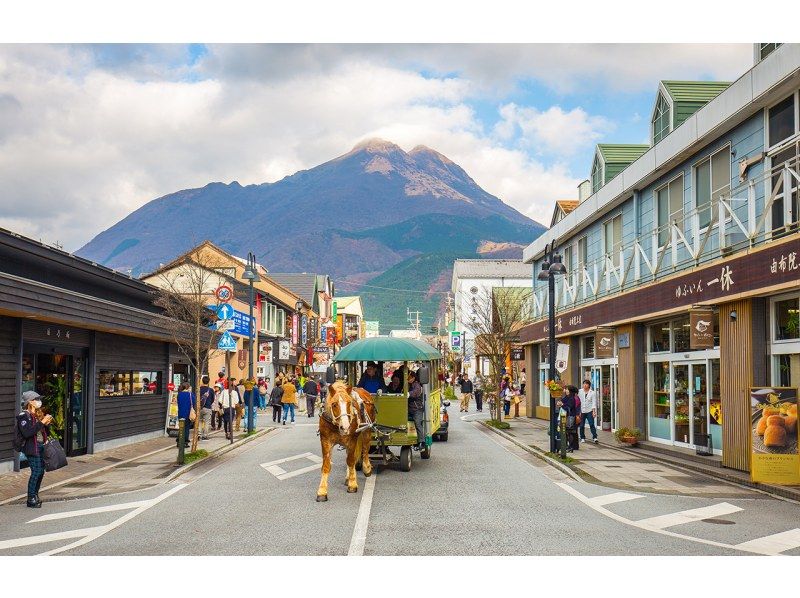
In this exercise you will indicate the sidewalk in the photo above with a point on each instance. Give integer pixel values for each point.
(124, 469)
(640, 469)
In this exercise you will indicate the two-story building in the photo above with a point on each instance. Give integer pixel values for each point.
(682, 287)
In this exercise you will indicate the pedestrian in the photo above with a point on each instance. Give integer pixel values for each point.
(30, 435)
(185, 410)
(466, 392)
(229, 398)
(207, 401)
(239, 407)
(311, 391)
(516, 399)
(275, 397)
(323, 390)
(221, 379)
(289, 400)
(505, 393)
(571, 411)
(416, 408)
(588, 398)
(263, 392)
(522, 381)
(479, 383)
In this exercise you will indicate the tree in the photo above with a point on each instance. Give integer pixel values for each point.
(495, 316)
(185, 294)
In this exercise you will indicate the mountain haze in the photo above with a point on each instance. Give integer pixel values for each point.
(373, 211)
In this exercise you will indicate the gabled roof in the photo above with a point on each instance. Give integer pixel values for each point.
(621, 153)
(343, 302)
(695, 91)
(301, 284)
(562, 208)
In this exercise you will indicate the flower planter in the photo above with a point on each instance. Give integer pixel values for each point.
(606, 426)
(629, 440)
(557, 395)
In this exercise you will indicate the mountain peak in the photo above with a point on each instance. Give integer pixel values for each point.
(425, 151)
(376, 144)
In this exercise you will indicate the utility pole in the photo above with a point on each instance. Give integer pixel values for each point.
(413, 319)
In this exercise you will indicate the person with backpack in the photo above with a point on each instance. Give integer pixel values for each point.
(30, 434)
(207, 398)
(262, 393)
(311, 391)
(275, 399)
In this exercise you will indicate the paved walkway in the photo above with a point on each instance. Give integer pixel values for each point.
(605, 464)
(131, 467)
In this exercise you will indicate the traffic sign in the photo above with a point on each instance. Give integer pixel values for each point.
(226, 342)
(455, 341)
(225, 325)
(224, 293)
(170, 387)
(225, 311)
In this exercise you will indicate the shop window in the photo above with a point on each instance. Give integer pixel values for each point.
(659, 400)
(715, 407)
(780, 121)
(588, 347)
(787, 319)
(659, 338)
(147, 383)
(788, 370)
(682, 335)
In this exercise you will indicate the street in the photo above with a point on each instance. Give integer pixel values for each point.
(478, 495)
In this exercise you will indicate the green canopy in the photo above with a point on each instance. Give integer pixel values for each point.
(387, 349)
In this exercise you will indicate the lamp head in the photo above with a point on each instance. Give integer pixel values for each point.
(557, 267)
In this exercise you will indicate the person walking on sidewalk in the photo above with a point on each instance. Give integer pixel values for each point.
(29, 438)
(275, 400)
(479, 383)
(289, 400)
(588, 399)
(466, 392)
(311, 391)
(207, 400)
(228, 399)
(263, 392)
(185, 408)
(569, 404)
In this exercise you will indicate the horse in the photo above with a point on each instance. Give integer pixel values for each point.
(346, 419)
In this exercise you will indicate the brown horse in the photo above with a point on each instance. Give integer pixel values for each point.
(345, 420)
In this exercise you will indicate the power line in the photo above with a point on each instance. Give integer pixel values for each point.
(372, 286)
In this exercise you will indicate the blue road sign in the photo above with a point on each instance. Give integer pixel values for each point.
(225, 311)
(226, 342)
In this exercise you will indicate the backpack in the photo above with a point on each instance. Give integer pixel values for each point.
(18, 442)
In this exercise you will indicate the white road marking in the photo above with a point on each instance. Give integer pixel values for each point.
(774, 544)
(689, 516)
(275, 469)
(359, 538)
(614, 497)
(54, 537)
(80, 512)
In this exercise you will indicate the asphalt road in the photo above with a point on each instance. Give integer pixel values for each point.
(477, 495)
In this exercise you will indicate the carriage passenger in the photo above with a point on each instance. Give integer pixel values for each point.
(371, 380)
(416, 408)
(395, 386)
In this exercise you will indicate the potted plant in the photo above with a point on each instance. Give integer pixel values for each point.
(629, 436)
(556, 388)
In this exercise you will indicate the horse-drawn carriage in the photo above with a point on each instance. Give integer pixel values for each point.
(392, 426)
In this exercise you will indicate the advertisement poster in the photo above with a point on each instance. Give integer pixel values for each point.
(172, 412)
(773, 438)
(321, 355)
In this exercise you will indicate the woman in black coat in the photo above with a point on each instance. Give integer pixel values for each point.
(570, 404)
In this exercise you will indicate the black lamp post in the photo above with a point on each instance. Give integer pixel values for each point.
(298, 307)
(250, 274)
(551, 266)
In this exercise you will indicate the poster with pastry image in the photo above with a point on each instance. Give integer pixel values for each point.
(775, 458)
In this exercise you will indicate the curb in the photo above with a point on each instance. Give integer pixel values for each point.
(217, 453)
(536, 452)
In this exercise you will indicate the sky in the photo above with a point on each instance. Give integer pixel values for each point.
(89, 133)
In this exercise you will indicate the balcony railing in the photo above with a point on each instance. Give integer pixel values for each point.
(737, 220)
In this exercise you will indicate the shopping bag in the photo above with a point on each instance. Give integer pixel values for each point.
(53, 455)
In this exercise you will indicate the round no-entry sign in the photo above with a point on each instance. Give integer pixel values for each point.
(224, 293)
(170, 387)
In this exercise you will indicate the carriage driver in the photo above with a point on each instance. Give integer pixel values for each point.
(371, 380)
(416, 408)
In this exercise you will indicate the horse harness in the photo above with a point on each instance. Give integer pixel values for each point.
(363, 420)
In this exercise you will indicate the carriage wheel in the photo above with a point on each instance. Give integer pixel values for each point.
(405, 458)
(426, 452)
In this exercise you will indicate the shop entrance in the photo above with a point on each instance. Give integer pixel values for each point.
(604, 382)
(59, 375)
(690, 422)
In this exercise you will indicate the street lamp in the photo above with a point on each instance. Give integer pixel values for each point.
(551, 266)
(250, 274)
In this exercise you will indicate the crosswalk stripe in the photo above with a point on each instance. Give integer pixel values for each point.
(55, 537)
(92, 511)
(291, 474)
(689, 516)
(285, 459)
(614, 497)
(774, 544)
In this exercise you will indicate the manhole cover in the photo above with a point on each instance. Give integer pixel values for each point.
(719, 521)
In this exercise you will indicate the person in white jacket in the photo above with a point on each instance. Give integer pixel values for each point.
(588, 399)
(228, 399)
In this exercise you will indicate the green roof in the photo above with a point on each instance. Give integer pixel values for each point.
(387, 349)
(621, 153)
(695, 91)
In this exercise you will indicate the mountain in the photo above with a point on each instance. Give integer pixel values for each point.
(367, 217)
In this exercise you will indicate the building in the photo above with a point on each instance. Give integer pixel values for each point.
(472, 286)
(683, 265)
(87, 338)
(350, 319)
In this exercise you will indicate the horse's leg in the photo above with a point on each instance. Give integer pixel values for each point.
(352, 483)
(366, 441)
(322, 491)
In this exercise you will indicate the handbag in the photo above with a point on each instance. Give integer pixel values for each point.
(53, 455)
(192, 415)
(570, 422)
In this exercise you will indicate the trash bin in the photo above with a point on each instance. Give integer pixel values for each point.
(703, 444)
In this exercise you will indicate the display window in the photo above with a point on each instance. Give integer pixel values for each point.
(784, 344)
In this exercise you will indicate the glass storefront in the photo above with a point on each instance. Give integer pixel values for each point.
(602, 373)
(785, 340)
(683, 389)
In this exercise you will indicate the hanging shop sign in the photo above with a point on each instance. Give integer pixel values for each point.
(339, 327)
(295, 323)
(304, 330)
(241, 358)
(284, 350)
(264, 352)
(562, 357)
(701, 325)
(517, 354)
(774, 456)
(604, 343)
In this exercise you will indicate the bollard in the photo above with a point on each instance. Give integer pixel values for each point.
(181, 433)
(563, 428)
